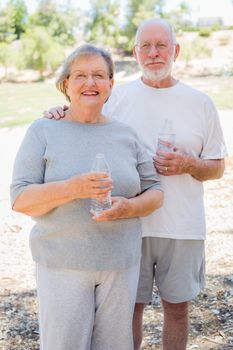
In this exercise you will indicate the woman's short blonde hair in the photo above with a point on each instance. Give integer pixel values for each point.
(84, 50)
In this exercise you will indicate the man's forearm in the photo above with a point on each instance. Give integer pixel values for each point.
(203, 170)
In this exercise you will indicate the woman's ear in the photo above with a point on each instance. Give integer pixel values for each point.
(66, 83)
(112, 82)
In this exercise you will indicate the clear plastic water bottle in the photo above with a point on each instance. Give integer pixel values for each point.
(99, 204)
(166, 137)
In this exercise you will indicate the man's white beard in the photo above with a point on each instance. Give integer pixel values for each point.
(159, 74)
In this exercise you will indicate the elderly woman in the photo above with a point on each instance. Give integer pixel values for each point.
(87, 266)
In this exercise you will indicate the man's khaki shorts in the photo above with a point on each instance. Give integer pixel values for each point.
(176, 266)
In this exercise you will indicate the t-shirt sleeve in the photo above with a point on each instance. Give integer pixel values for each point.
(29, 166)
(149, 178)
(214, 145)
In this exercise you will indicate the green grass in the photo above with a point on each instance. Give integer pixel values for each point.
(21, 103)
(223, 97)
(220, 89)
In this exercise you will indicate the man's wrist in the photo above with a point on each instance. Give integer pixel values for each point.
(195, 167)
(189, 165)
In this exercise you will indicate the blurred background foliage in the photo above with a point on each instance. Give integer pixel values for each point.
(33, 44)
(40, 40)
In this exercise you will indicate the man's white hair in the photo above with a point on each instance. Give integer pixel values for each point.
(157, 21)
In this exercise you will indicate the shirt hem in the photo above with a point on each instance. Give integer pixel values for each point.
(182, 236)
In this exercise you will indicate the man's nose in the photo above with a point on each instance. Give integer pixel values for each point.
(153, 52)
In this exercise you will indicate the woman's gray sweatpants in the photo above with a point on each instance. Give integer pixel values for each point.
(83, 310)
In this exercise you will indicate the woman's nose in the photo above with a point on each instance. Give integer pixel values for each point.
(90, 80)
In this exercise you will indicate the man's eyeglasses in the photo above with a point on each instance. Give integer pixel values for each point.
(146, 47)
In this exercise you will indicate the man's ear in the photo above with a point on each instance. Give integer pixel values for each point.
(177, 51)
(135, 53)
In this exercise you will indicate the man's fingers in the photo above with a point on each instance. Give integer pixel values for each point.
(58, 113)
(47, 114)
(55, 113)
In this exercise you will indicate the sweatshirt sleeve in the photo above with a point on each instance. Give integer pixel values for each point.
(29, 166)
(149, 178)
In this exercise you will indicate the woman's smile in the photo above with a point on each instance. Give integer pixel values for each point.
(90, 93)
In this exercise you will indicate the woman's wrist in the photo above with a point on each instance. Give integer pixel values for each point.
(70, 188)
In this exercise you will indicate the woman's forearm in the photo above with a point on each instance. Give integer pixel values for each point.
(124, 208)
(145, 204)
(39, 199)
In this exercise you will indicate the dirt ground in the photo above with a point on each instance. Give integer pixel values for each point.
(211, 313)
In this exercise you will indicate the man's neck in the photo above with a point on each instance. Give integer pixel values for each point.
(160, 84)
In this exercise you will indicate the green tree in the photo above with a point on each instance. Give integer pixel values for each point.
(60, 24)
(180, 18)
(20, 16)
(196, 48)
(7, 23)
(103, 25)
(137, 12)
(6, 57)
(39, 51)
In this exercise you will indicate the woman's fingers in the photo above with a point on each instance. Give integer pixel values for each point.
(98, 175)
(100, 183)
(117, 211)
(91, 185)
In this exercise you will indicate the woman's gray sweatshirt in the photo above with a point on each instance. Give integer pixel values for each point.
(67, 236)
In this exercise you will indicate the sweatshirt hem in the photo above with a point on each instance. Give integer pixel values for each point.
(181, 236)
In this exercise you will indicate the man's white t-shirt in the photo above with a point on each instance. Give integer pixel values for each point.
(198, 132)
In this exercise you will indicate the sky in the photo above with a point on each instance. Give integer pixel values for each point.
(208, 8)
(200, 8)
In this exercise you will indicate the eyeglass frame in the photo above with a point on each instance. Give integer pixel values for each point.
(147, 46)
(83, 77)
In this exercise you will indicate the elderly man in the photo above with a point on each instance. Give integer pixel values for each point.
(173, 236)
